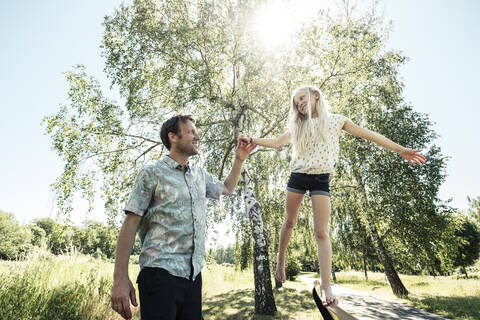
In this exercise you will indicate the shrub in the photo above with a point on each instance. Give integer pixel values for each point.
(292, 269)
(14, 239)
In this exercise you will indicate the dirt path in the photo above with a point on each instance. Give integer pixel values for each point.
(364, 305)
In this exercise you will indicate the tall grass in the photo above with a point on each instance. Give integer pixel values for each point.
(219, 279)
(48, 287)
(77, 287)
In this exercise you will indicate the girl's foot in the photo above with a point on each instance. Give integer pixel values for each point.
(280, 272)
(327, 295)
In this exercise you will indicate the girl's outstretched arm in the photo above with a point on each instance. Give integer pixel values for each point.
(411, 155)
(267, 142)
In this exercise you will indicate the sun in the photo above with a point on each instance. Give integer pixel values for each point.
(274, 25)
(277, 21)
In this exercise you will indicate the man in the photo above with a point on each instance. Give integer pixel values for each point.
(168, 205)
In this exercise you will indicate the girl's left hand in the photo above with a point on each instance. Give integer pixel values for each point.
(413, 156)
(244, 138)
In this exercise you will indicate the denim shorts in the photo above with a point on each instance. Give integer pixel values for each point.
(314, 183)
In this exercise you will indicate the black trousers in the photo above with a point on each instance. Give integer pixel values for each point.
(166, 297)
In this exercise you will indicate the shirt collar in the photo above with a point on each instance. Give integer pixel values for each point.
(173, 164)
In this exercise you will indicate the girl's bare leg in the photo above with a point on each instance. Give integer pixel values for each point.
(321, 216)
(292, 205)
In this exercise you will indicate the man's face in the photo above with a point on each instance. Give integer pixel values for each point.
(188, 138)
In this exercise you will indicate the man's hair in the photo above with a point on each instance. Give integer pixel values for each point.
(172, 125)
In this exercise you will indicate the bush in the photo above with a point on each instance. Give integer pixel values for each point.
(14, 239)
(469, 249)
(292, 269)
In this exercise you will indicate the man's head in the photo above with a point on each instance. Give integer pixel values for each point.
(180, 133)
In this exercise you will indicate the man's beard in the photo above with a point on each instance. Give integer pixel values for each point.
(188, 151)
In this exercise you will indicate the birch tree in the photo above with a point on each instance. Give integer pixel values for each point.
(203, 58)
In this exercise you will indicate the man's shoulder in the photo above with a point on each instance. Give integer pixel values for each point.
(154, 168)
(196, 168)
(200, 171)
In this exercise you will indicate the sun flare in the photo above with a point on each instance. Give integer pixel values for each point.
(277, 21)
(274, 24)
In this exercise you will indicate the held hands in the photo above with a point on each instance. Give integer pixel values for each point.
(412, 155)
(244, 147)
(245, 138)
(122, 293)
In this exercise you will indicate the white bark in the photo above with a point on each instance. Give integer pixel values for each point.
(264, 300)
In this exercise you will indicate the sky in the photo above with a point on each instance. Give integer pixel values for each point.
(42, 39)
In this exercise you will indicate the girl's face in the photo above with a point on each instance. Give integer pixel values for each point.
(300, 101)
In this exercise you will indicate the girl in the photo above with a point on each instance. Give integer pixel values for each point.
(314, 133)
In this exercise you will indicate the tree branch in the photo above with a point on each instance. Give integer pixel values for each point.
(229, 149)
(124, 134)
(145, 152)
(207, 124)
(109, 152)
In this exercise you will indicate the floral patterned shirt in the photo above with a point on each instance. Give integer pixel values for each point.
(173, 203)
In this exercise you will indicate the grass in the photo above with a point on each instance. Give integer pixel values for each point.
(448, 296)
(47, 287)
(229, 294)
(77, 287)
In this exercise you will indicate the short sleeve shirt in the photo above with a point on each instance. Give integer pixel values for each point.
(322, 155)
(173, 203)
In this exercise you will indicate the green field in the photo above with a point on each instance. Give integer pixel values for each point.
(74, 286)
(52, 287)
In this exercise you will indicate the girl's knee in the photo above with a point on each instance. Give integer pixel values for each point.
(290, 223)
(322, 235)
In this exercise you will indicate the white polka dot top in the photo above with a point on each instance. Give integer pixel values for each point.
(321, 156)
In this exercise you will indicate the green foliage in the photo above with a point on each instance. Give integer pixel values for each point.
(474, 210)
(99, 238)
(469, 246)
(246, 254)
(93, 238)
(292, 269)
(204, 59)
(295, 258)
(39, 236)
(222, 255)
(59, 237)
(14, 239)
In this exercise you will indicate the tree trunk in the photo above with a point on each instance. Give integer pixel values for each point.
(365, 267)
(264, 300)
(395, 283)
(334, 276)
(465, 271)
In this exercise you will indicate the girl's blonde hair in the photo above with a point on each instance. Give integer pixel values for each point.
(301, 126)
